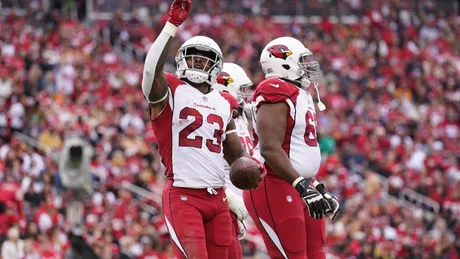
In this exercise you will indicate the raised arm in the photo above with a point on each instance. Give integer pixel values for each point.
(154, 84)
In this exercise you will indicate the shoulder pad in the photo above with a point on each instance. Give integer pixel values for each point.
(231, 100)
(274, 90)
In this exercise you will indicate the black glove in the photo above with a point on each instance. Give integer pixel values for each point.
(333, 202)
(317, 205)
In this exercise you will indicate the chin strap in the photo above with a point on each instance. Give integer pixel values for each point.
(321, 105)
(305, 83)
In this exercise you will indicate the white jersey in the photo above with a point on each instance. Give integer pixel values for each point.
(246, 140)
(300, 142)
(190, 132)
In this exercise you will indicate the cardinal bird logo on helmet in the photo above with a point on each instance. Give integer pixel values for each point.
(224, 78)
(280, 51)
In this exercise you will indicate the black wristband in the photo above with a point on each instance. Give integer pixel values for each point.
(302, 185)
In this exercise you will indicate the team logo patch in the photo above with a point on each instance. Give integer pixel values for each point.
(279, 51)
(224, 78)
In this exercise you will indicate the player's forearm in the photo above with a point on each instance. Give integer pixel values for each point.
(154, 84)
(280, 163)
(231, 156)
(233, 149)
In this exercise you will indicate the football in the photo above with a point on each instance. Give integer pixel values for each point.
(245, 173)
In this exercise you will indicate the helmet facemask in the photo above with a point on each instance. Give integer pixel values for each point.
(309, 70)
(310, 73)
(199, 64)
(245, 92)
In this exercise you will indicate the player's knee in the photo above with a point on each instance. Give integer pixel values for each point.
(292, 234)
(188, 227)
(222, 234)
(224, 239)
(191, 224)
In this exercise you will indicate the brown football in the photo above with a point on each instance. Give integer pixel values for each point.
(245, 173)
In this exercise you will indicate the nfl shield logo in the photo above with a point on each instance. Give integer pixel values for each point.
(183, 197)
(205, 99)
(289, 198)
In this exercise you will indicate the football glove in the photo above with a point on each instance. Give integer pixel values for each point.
(317, 205)
(242, 232)
(179, 11)
(334, 205)
(263, 170)
(236, 205)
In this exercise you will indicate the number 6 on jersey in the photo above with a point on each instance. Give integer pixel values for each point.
(310, 130)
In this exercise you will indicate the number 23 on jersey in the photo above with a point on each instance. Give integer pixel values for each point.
(213, 145)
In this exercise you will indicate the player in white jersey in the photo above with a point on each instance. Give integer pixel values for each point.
(236, 81)
(232, 81)
(194, 127)
(292, 225)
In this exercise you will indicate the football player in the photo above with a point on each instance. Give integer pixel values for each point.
(289, 205)
(232, 81)
(194, 126)
(236, 82)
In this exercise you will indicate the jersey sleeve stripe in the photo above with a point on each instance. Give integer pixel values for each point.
(290, 103)
(171, 98)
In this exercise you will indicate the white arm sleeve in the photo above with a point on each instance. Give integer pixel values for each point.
(152, 58)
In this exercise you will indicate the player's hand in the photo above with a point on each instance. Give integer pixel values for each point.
(333, 204)
(242, 232)
(179, 11)
(316, 203)
(236, 205)
(263, 170)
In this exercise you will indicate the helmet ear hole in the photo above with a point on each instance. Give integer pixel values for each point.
(287, 67)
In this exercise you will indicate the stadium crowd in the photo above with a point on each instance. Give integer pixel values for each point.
(393, 96)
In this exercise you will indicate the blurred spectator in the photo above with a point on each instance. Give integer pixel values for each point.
(149, 248)
(13, 247)
(29, 250)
